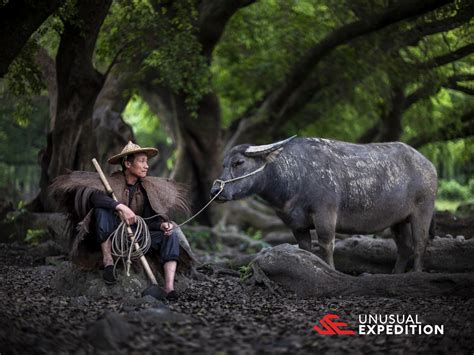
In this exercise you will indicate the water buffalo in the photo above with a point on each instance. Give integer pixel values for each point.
(333, 186)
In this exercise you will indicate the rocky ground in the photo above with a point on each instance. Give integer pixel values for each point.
(218, 315)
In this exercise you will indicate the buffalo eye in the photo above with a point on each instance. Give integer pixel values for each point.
(237, 163)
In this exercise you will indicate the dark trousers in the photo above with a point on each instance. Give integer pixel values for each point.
(106, 221)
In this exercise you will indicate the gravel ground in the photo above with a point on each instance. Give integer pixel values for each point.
(220, 315)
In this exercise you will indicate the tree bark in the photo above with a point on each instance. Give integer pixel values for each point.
(389, 127)
(161, 102)
(71, 144)
(109, 127)
(198, 150)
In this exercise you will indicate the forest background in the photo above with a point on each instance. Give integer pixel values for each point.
(78, 79)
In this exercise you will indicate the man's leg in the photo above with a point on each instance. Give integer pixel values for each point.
(106, 248)
(169, 255)
(170, 272)
(106, 222)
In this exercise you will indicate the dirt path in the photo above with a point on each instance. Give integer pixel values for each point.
(221, 315)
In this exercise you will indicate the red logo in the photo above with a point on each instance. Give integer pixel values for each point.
(330, 327)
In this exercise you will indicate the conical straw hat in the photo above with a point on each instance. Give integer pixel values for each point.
(132, 148)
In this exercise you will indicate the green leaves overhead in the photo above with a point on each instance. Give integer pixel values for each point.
(419, 69)
(259, 47)
(160, 41)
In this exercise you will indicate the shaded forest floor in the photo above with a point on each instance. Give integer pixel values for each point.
(221, 314)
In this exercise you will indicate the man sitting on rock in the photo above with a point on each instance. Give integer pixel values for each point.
(137, 195)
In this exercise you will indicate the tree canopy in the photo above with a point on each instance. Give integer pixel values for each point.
(215, 74)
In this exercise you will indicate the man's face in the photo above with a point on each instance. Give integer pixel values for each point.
(139, 166)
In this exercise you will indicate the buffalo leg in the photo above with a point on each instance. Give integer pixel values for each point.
(326, 230)
(303, 237)
(404, 249)
(420, 224)
(326, 243)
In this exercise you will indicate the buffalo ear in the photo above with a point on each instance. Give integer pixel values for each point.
(273, 155)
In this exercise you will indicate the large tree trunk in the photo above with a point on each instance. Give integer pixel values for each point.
(161, 102)
(109, 127)
(198, 150)
(71, 143)
(196, 139)
(389, 127)
(79, 85)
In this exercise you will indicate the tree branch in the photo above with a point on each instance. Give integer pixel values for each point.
(448, 58)
(461, 88)
(427, 28)
(349, 32)
(391, 42)
(462, 77)
(213, 17)
(279, 98)
(19, 19)
(114, 61)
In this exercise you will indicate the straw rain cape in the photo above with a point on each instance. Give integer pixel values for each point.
(73, 190)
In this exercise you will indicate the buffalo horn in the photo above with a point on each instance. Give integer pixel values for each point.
(255, 150)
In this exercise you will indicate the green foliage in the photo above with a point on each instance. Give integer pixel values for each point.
(447, 205)
(170, 162)
(254, 233)
(353, 85)
(34, 236)
(261, 44)
(470, 186)
(245, 272)
(129, 30)
(452, 159)
(24, 76)
(158, 41)
(202, 240)
(178, 58)
(146, 125)
(453, 190)
(23, 127)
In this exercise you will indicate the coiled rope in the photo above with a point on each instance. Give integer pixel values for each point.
(123, 245)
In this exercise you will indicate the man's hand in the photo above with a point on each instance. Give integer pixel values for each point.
(167, 228)
(128, 215)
